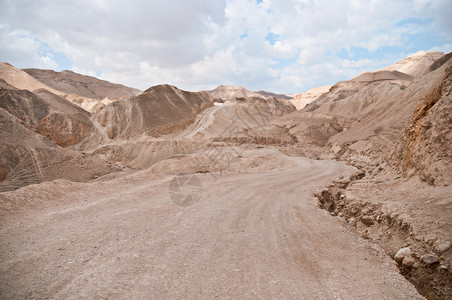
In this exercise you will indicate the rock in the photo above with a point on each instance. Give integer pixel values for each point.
(401, 254)
(408, 261)
(442, 247)
(352, 222)
(430, 259)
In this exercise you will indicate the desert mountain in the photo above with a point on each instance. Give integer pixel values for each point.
(240, 119)
(158, 110)
(68, 82)
(226, 92)
(417, 64)
(270, 94)
(375, 107)
(302, 99)
(375, 150)
(87, 92)
(401, 72)
(34, 128)
(22, 80)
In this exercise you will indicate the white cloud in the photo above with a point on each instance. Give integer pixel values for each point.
(199, 44)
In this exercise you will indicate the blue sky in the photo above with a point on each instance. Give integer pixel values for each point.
(285, 46)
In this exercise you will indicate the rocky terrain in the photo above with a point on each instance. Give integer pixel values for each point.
(227, 193)
(88, 92)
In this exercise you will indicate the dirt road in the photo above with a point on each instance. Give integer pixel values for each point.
(251, 235)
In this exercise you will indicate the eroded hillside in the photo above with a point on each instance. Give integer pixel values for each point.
(253, 164)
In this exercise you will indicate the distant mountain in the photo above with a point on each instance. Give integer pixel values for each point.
(401, 72)
(22, 80)
(302, 99)
(395, 117)
(87, 92)
(417, 64)
(69, 82)
(270, 94)
(226, 92)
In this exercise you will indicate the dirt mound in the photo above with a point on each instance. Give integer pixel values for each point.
(68, 82)
(158, 110)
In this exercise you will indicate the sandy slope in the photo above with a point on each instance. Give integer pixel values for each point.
(21, 79)
(69, 82)
(303, 99)
(230, 92)
(124, 238)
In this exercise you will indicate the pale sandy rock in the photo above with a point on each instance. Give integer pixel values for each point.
(408, 261)
(416, 64)
(442, 247)
(22, 80)
(303, 99)
(401, 254)
(230, 92)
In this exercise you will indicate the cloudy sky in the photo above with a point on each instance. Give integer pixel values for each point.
(284, 46)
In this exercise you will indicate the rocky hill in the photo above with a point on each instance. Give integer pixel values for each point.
(302, 99)
(396, 127)
(68, 82)
(87, 92)
(34, 128)
(22, 80)
(277, 96)
(158, 110)
(227, 92)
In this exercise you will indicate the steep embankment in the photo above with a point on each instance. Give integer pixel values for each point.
(425, 145)
(398, 131)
